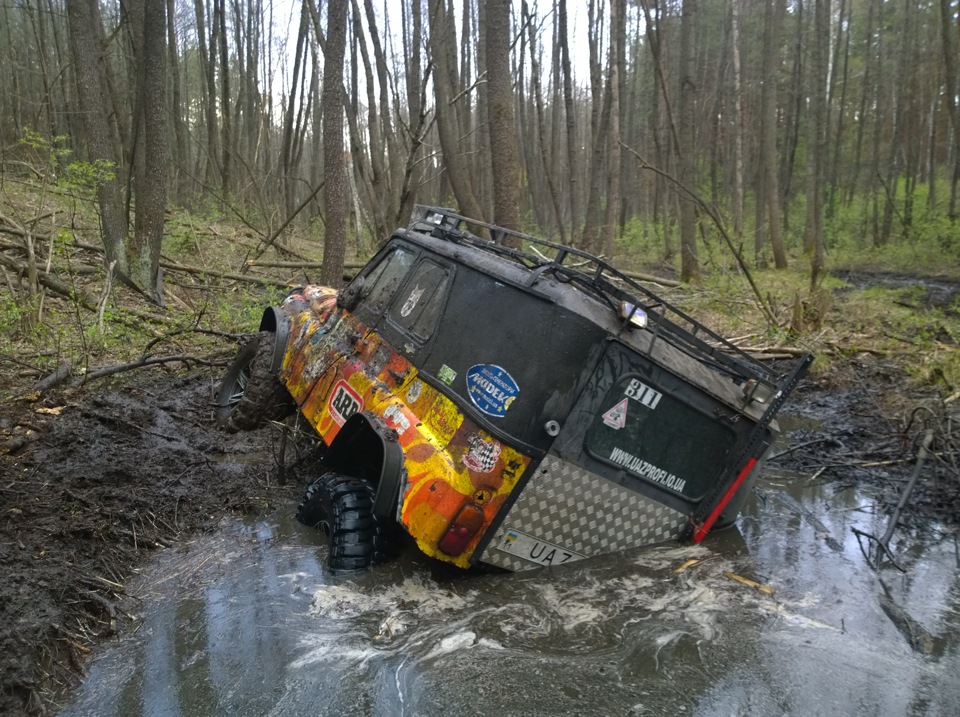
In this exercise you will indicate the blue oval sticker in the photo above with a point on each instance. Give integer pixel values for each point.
(491, 389)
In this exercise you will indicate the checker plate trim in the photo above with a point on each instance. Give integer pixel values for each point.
(567, 505)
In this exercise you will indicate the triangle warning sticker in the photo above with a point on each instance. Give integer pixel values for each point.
(616, 417)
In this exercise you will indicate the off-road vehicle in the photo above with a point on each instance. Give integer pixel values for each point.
(508, 401)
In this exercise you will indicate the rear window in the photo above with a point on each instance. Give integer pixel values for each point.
(658, 438)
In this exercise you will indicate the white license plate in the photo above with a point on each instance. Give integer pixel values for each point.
(535, 550)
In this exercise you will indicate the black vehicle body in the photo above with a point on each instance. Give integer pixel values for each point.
(515, 402)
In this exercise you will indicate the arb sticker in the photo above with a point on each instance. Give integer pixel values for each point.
(344, 402)
(616, 417)
(491, 389)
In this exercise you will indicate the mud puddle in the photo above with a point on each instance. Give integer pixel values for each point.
(127, 557)
(935, 291)
(248, 622)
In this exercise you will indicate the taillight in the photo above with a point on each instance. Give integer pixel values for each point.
(462, 530)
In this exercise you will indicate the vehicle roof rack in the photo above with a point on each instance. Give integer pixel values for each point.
(612, 286)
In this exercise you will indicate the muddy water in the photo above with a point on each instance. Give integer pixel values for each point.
(249, 622)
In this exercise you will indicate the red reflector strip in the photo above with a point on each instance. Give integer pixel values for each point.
(700, 531)
(462, 530)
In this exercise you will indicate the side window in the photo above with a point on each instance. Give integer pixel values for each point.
(381, 283)
(417, 307)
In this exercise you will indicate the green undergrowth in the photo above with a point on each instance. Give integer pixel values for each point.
(853, 310)
(97, 323)
(908, 320)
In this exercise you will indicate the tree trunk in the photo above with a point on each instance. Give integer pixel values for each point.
(618, 19)
(541, 138)
(947, 30)
(599, 123)
(573, 155)
(813, 230)
(737, 122)
(210, 154)
(334, 188)
(287, 141)
(447, 123)
(793, 112)
(416, 120)
(102, 143)
(144, 248)
(768, 137)
(504, 165)
(689, 267)
(844, 34)
(226, 126)
(181, 158)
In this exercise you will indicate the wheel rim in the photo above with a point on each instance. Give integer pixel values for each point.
(238, 388)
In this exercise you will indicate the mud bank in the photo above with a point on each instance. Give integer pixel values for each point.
(106, 479)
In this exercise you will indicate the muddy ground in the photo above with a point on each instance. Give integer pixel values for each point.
(97, 480)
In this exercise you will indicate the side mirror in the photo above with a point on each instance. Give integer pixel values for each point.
(349, 296)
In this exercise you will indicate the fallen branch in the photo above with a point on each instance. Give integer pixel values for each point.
(916, 634)
(788, 351)
(870, 536)
(140, 363)
(714, 215)
(750, 583)
(299, 264)
(798, 447)
(15, 444)
(51, 282)
(907, 491)
(639, 276)
(265, 281)
(770, 356)
(61, 374)
(276, 235)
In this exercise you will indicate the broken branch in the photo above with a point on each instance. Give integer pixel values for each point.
(151, 361)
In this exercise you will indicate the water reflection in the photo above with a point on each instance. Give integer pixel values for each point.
(248, 622)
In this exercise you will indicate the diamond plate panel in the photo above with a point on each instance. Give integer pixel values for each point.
(582, 512)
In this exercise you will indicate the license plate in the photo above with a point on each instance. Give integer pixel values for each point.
(535, 550)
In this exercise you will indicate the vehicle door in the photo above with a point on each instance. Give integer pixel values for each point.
(347, 354)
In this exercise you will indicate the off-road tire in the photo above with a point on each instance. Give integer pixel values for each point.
(341, 508)
(251, 393)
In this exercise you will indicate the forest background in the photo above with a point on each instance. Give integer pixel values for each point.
(250, 144)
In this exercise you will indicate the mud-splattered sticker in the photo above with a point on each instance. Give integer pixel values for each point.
(395, 418)
(446, 374)
(415, 391)
(483, 454)
(344, 402)
(639, 391)
(491, 389)
(616, 417)
(411, 303)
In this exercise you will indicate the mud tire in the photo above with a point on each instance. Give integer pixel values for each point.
(341, 508)
(250, 393)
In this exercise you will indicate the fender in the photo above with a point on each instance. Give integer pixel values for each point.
(278, 322)
(367, 448)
